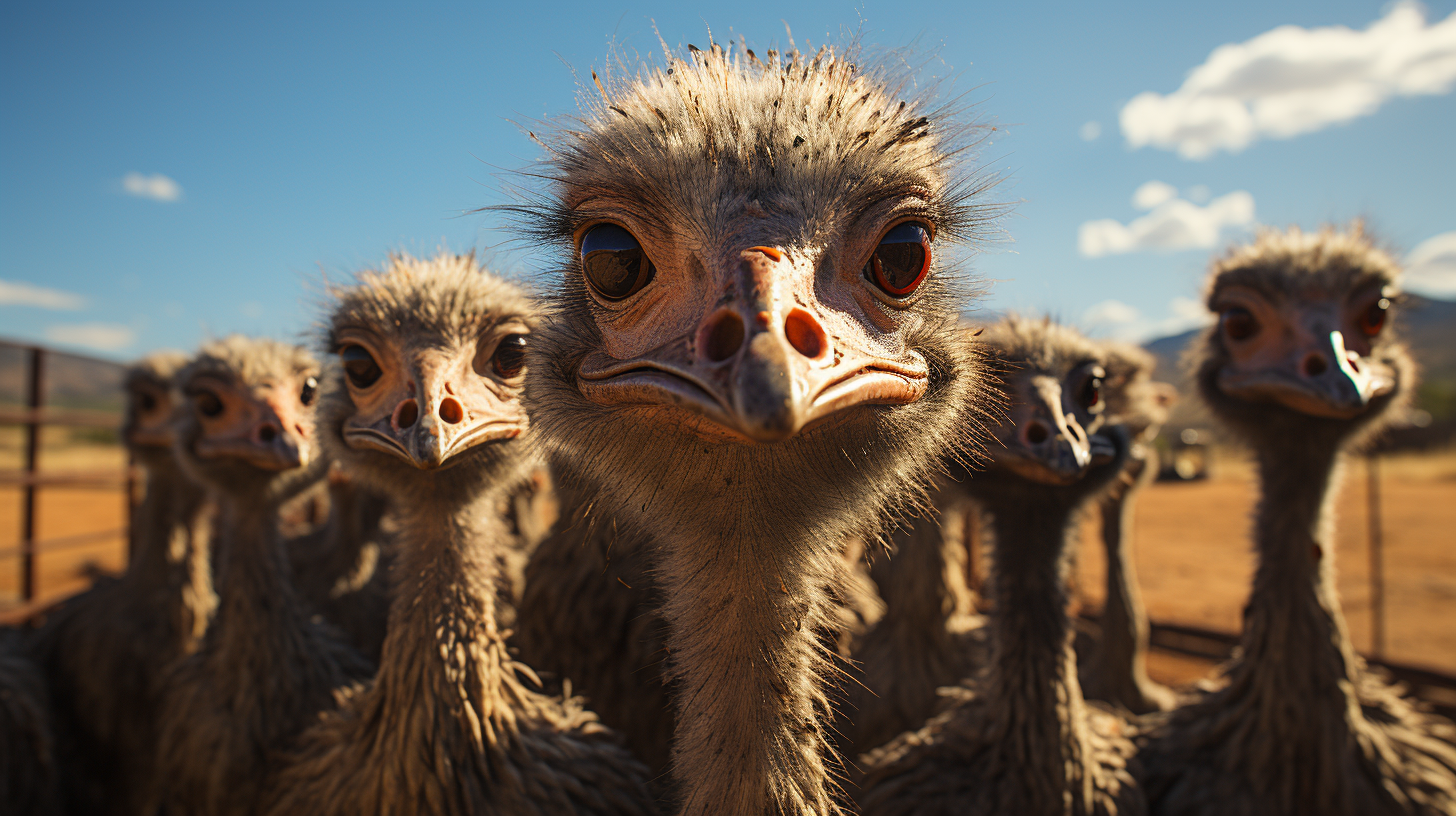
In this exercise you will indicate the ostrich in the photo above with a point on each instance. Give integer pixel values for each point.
(1301, 367)
(30, 778)
(263, 670)
(426, 410)
(751, 356)
(1115, 671)
(105, 649)
(341, 570)
(1021, 739)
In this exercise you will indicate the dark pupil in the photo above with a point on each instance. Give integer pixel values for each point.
(614, 262)
(310, 386)
(510, 355)
(899, 260)
(209, 404)
(359, 366)
(1092, 393)
(1239, 324)
(1374, 318)
(147, 402)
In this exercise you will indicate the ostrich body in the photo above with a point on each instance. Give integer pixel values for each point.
(426, 411)
(341, 570)
(1021, 740)
(751, 356)
(262, 670)
(1301, 367)
(1116, 670)
(930, 635)
(105, 649)
(30, 774)
(589, 616)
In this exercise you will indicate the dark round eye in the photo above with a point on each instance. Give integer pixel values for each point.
(1238, 323)
(1091, 392)
(147, 401)
(208, 404)
(359, 366)
(1372, 320)
(614, 262)
(510, 356)
(310, 388)
(900, 262)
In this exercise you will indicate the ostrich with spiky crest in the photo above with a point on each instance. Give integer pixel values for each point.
(425, 410)
(1301, 366)
(750, 356)
(1020, 738)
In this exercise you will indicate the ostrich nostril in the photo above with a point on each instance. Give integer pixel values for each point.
(406, 414)
(723, 336)
(1315, 365)
(451, 411)
(1036, 433)
(267, 433)
(805, 334)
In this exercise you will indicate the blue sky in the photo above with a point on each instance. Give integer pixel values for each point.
(171, 172)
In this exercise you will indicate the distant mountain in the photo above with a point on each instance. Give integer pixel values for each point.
(1429, 329)
(69, 380)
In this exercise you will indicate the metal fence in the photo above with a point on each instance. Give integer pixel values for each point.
(84, 393)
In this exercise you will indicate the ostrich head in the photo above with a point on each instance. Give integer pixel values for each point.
(246, 426)
(756, 287)
(147, 429)
(1057, 429)
(1302, 340)
(426, 398)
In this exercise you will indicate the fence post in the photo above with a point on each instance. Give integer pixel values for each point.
(33, 400)
(1377, 556)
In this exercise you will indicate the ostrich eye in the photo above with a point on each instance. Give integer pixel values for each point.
(900, 262)
(510, 356)
(1372, 320)
(208, 404)
(359, 366)
(1238, 323)
(310, 388)
(1091, 392)
(614, 263)
(146, 402)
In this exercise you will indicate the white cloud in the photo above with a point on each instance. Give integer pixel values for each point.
(1293, 80)
(1430, 269)
(1152, 193)
(102, 336)
(156, 186)
(1113, 318)
(1090, 131)
(1111, 312)
(1173, 224)
(1198, 194)
(17, 293)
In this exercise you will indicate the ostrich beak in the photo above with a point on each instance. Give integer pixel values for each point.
(1320, 378)
(441, 411)
(766, 363)
(271, 431)
(1050, 444)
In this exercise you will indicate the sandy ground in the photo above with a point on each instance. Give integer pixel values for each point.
(1191, 542)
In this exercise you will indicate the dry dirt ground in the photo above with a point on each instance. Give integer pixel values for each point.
(1191, 542)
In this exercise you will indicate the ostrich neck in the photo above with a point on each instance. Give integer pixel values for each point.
(746, 615)
(443, 642)
(165, 514)
(258, 613)
(1294, 631)
(1031, 688)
